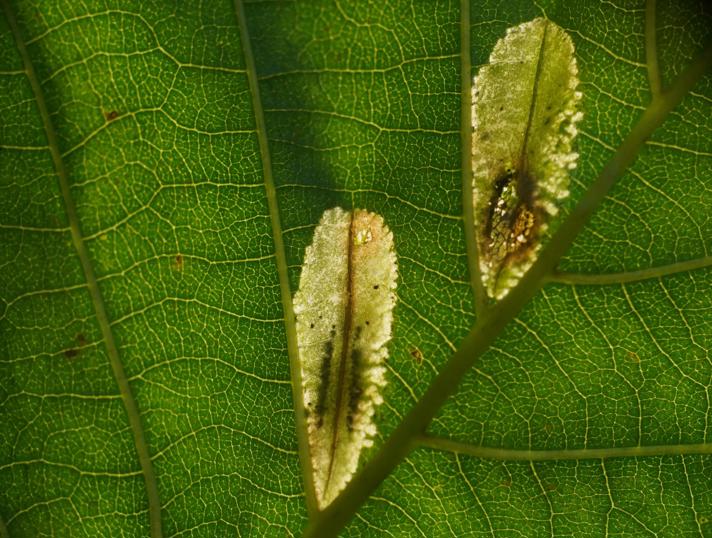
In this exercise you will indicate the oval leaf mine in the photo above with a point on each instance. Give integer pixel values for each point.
(344, 311)
(524, 115)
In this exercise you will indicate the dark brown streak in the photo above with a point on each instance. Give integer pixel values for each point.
(355, 390)
(345, 348)
(324, 376)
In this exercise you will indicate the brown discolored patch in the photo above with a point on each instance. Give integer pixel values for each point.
(416, 354)
(512, 222)
(81, 339)
(111, 115)
(178, 262)
(73, 352)
(550, 486)
(507, 483)
(633, 357)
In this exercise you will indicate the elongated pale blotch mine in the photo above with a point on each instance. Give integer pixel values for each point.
(344, 310)
(524, 115)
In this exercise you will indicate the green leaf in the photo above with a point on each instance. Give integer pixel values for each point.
(161, 173)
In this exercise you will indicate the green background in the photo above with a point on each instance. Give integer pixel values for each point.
(155, 128)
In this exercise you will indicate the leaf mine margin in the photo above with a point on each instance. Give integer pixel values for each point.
(344, 314)
(524, 115)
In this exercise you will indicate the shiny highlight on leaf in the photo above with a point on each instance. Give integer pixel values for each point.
(344, 310)
(524, 115)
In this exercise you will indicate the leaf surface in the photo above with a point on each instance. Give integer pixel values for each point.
(140, 302)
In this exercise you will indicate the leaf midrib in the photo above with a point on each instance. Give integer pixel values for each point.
(130, 405)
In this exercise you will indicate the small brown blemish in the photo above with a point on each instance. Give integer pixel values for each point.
(633, 357)
(81, 339)
(416, 354)
(375, 286)
(71, 353)
(178, 262)
(507, 483)
(112, 115)
(550, 486)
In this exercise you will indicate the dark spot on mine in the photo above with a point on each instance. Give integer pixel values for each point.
(71, 353)
(355, 390)
(311, 325)
(110, 116)
(178, 262)
(501, 108)
(324, 374)
(368, 322)
(525, 189)
(375, 286)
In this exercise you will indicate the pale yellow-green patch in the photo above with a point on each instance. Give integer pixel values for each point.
(524, 115)
(344, 310)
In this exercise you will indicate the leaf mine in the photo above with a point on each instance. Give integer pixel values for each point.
(344, 313)
(524, 116)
